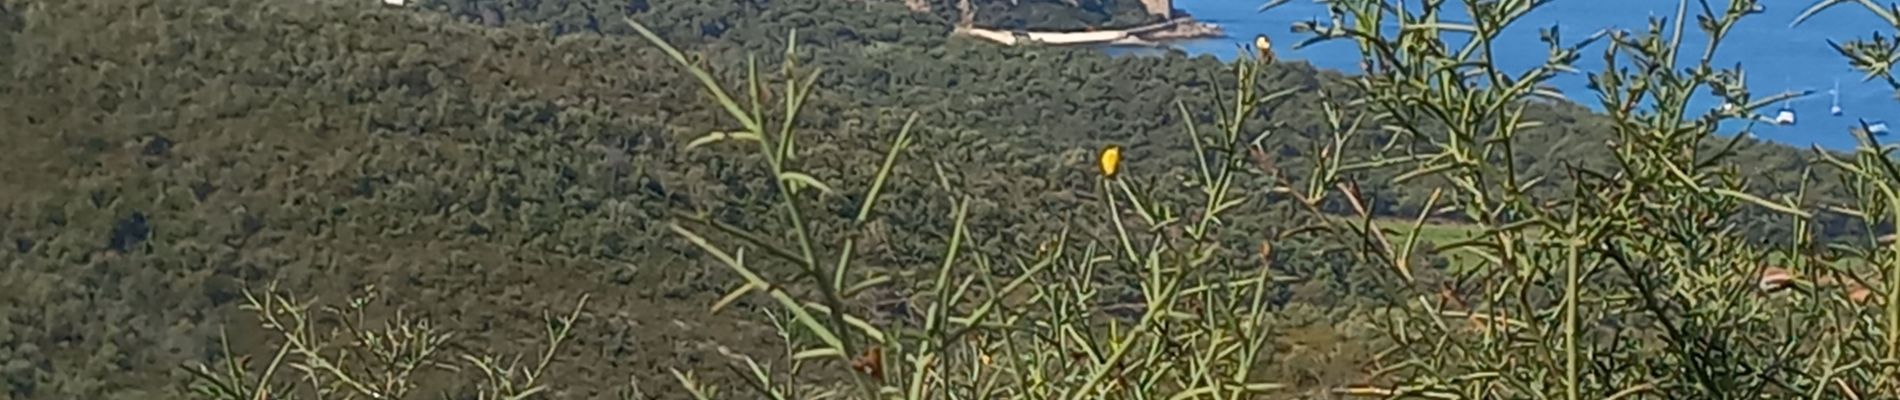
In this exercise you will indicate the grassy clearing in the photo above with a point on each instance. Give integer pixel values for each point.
(1436, 233)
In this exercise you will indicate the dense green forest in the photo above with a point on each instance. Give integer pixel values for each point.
(480, 161)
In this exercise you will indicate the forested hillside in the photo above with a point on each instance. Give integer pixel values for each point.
(482, 161)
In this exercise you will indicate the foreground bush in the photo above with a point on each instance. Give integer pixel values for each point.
(1635, 284)
(1047, 325)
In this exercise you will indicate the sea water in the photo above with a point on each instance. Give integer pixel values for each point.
(1775, 56)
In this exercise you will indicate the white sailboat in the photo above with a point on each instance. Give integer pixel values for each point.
(1786, 115)
(1875, 127)
(1836, 108)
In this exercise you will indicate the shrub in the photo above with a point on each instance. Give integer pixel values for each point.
(1047, 326)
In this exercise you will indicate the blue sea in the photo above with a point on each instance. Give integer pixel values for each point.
(1775, 56)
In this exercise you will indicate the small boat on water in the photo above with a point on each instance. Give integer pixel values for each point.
(1785, 116)
(1836, 108)
(1876, 127)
